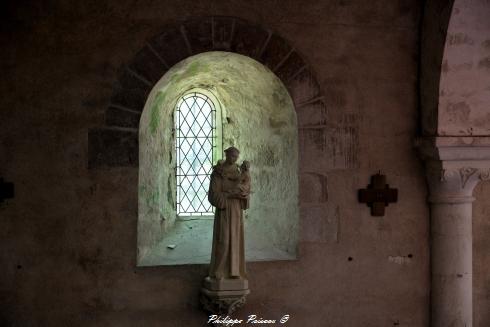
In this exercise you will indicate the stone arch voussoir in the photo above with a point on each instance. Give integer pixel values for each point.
(116, 143)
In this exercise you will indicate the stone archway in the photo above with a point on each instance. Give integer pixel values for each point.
(455, 145)
(116, 144)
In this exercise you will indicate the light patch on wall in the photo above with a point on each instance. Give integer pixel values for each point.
(400, 260)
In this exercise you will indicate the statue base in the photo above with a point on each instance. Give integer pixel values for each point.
(223, 296)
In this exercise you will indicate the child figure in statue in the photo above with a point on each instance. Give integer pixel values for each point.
(244, 186)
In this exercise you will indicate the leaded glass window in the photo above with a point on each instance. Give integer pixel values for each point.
(195, 118)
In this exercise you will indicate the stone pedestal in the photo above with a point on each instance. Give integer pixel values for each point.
(223, 296)
(454, 165)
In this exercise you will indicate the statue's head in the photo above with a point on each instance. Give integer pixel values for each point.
(245, 165)
(231, 154)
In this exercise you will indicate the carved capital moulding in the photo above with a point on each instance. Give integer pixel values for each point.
(454, 165)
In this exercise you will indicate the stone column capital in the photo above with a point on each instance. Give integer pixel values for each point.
(454, 166)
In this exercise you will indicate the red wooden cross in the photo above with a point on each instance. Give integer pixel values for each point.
(378, 195)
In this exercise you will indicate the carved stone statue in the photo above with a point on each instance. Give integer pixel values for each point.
(229, 192)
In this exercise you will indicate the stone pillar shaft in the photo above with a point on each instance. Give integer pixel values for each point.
(451, 264)
(454, 166)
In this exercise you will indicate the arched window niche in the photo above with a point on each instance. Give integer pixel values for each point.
(253, 112)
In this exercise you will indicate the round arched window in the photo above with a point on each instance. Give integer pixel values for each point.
(195, 126)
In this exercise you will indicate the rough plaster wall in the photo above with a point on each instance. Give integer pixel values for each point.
(69, 237)
(156, 183)
(464, 102)
(258, 118)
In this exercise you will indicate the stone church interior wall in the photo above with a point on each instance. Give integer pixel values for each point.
(69, 236)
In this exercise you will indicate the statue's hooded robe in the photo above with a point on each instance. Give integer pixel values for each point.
(228, 252)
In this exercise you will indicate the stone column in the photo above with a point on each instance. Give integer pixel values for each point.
(454, 166)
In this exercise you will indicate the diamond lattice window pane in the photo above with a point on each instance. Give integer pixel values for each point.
(195, 126)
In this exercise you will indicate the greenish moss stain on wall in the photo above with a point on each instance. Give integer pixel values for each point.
(170, 194)
(194, 68)
(155, 111)
(151, 199)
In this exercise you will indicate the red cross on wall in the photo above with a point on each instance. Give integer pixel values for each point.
(378, 195)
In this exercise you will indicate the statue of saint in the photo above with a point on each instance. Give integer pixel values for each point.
(229, 192)
(226, 287)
